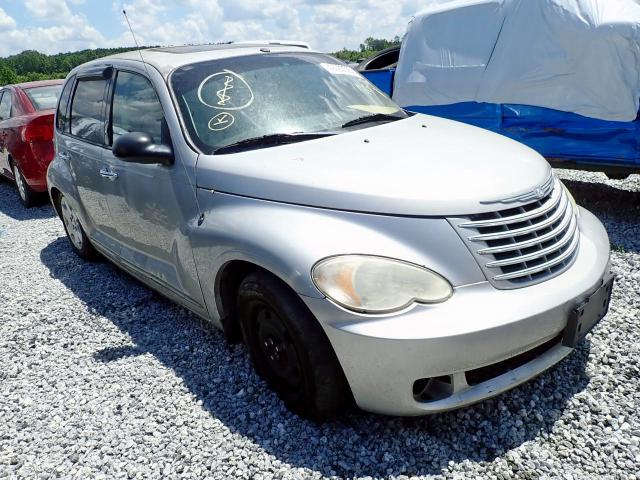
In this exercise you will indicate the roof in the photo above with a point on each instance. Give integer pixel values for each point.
(167, 59)
(38, 83)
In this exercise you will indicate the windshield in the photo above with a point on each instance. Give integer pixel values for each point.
(44, 98)
(234, 99)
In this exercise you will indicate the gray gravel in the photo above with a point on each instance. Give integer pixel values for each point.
(100, 377)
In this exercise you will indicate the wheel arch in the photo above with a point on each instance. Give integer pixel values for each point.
(55, 195)
(10, 160)
(226, 285)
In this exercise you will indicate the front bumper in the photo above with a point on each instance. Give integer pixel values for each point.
(480, 326)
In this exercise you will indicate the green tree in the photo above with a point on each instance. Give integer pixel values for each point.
(32, 65)
(377, 44)
(7, 74)
(29, 61)
(370, 47)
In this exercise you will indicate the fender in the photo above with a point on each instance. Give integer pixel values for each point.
(287, 240)
(59, 177)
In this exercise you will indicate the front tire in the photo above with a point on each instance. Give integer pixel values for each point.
(289, 349)
(75, 233)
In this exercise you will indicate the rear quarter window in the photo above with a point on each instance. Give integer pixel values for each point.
(62, 115)
(87, 110)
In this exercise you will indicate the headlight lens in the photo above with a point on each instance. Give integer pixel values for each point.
(372, 284)
(576, 210)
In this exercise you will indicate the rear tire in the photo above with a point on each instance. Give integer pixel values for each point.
(289, 349)
(75, 233)
(28, 196)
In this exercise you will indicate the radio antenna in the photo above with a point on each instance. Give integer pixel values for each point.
(195, 193)
(135, 40)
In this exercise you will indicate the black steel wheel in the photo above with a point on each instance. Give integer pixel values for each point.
(289, 349)
(276, 351)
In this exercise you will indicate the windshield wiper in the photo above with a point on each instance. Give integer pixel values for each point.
(270, 140)
(376, 117)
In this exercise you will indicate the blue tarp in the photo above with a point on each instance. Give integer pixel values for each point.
(556, 135)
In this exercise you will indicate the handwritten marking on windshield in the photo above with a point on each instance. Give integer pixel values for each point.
(232, 92)
(221, 121)
(222, 93)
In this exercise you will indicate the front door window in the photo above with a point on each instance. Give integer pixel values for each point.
(136, 108)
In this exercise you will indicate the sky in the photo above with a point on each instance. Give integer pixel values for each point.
(53, 26)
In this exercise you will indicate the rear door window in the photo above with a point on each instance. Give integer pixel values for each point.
(62, 116)
(87, 110)
(5, 105)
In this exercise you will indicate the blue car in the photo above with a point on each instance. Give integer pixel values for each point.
(566, 85)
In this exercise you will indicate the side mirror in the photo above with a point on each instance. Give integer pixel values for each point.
(138, 147)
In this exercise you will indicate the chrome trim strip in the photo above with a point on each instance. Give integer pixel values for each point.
(523, 231)
(540, 192)
(535, 241)
(546, 207)
(539, 268)
(568, 236)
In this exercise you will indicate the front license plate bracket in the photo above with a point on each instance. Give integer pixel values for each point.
(587, 315)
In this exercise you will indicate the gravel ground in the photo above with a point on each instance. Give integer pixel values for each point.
(100, 377)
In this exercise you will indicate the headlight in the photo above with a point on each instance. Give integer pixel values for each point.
(576, 210)
(372, 284)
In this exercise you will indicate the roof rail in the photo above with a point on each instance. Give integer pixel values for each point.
(288, 43)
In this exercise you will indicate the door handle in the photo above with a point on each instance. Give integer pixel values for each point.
(63, 155)
(106, 173)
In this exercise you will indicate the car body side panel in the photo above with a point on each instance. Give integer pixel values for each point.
(154, 210)
(288, 240)
(61, 177)
(32, 158)
(153, 207)
(85, 162)
(38, 156)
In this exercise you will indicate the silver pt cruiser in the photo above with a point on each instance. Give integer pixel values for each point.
(406, 262)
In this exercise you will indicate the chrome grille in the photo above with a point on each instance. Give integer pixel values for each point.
(521, 246)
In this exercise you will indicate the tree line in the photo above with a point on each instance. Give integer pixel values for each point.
(369, 47)
(32, 65)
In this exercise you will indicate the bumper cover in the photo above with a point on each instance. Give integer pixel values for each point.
(383, 357)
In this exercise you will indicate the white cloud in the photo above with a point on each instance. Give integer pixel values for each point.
(69, 32)
(51, 10)
(6, 22)
(327, 25)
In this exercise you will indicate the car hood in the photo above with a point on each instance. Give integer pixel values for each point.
(422, 166)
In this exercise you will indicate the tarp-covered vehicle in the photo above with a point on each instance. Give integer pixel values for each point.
(562, 76)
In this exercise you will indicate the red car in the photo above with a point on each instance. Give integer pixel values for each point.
(26, 135)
